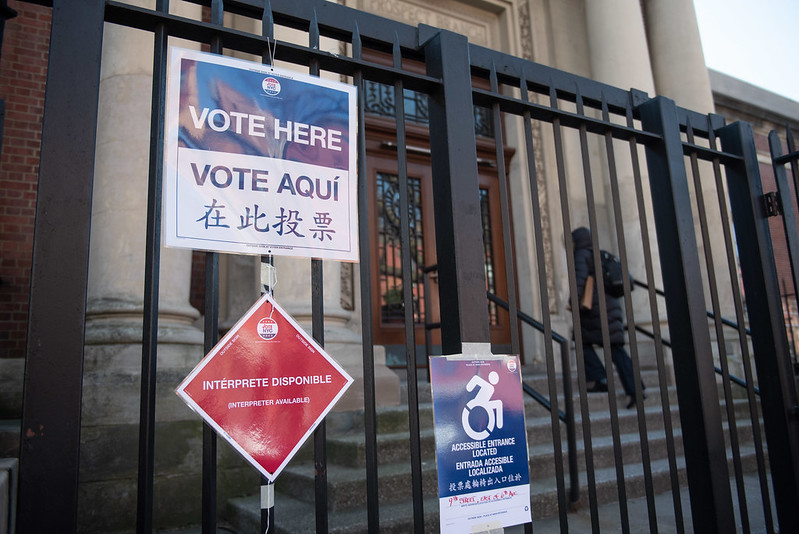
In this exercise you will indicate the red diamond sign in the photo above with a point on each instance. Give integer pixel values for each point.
(265, 387)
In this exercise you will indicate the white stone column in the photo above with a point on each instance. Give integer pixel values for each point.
(620, 57)
(115, 305)
(678, 63)
(681, 74)
(617, 44)
(115, 293)
(119, 206)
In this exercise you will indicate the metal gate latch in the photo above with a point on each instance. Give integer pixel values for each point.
(772, 204)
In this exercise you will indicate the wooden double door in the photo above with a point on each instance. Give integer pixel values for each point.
(388, 312)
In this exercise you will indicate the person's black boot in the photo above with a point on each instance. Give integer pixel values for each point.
(632, 402)
(600, 386)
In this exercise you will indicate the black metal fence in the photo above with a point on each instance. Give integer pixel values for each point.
(674, 192)
(783, 202)
(6, 13)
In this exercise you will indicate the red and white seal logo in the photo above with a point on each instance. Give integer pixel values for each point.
(271, 86)
(267, 328)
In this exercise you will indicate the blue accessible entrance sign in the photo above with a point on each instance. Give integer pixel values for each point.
(481, 442)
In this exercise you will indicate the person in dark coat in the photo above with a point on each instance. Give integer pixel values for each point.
(591, 324)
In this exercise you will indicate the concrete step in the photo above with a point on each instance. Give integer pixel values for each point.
(346, 483)
(347, 448)
(297, 514)
(346, 453)
(545, 503)
(537, 380)
(347, 472)
(294, 516)
(9, 438)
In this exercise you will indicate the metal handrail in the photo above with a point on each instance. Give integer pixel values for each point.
(566, 416)
(726, 322)
(541, 399)
(734, 379)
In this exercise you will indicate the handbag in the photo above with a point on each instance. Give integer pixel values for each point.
(587, 299)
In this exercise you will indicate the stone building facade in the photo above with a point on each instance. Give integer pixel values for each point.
(652, 45)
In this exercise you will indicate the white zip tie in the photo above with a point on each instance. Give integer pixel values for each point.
(272, 51)
(267, 496)
(268, 278)
(267, 501)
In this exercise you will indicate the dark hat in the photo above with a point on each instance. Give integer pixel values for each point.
(581, 234)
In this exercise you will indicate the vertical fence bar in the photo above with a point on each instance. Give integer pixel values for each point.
(770, 342)
(603, 314)
(267, 493)
(705, 451)
(719, 328)
(565, 208)
(794, 155)
(532, 174)
(459, 243)
(367, 338)
(320, 434)
(267, 57)
(786, 199)
(428, 312)
(571, 432)
(461, 265)
(794, 163)
(318, 332)
(407, 297)
(663, 373)
(715, 121)
(152, 268)
(628, 307)
(787, 308)
(502, 179)
(51, 407)
(210, 338)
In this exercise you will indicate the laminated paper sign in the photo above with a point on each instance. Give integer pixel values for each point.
(265, 387)
(481, 443)
(259, 160)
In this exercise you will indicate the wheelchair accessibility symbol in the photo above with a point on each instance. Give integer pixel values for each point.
(482, 400)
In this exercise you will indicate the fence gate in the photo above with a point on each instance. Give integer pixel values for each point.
(656, 165)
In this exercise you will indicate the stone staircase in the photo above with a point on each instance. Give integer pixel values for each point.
(295, 511)
(294, 501)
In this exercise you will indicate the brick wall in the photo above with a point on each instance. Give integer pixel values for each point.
(761, 127)
(23, 71)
